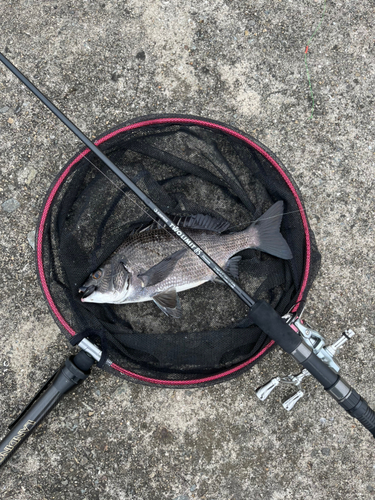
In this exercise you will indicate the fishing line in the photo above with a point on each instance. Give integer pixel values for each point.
(157, 221)
(307, 69)
(128, 195)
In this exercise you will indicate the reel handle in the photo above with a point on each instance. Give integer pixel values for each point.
(264, 316)
(75, 370)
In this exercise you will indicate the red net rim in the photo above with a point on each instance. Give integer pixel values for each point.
(169, 121)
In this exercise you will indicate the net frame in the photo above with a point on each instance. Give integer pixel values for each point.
(311, 256)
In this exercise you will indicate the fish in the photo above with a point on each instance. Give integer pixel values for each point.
(153, 265)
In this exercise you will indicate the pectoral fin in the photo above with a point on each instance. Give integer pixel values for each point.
(162, 270)
(169, 303)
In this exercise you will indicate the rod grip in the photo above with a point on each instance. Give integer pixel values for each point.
(265, 316)
(358, 408)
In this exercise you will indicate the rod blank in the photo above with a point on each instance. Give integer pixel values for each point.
(138, 192)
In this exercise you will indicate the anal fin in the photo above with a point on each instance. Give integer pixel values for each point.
(231, 266)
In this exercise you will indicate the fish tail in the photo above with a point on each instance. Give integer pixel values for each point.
(266, 233)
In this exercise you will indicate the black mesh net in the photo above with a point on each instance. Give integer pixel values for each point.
(187, 166)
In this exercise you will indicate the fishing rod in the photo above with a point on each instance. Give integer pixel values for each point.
(261, 313)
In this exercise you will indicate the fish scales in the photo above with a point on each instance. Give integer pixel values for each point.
(144, 250)
(152, 264)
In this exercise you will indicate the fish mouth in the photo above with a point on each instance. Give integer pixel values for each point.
(86, 291)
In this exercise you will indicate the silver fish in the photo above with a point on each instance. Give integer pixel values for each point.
(154, 265)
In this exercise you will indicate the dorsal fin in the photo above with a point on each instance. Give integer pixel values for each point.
(205, 223)
(198, 221)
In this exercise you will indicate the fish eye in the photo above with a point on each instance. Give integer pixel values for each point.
(97, 274)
